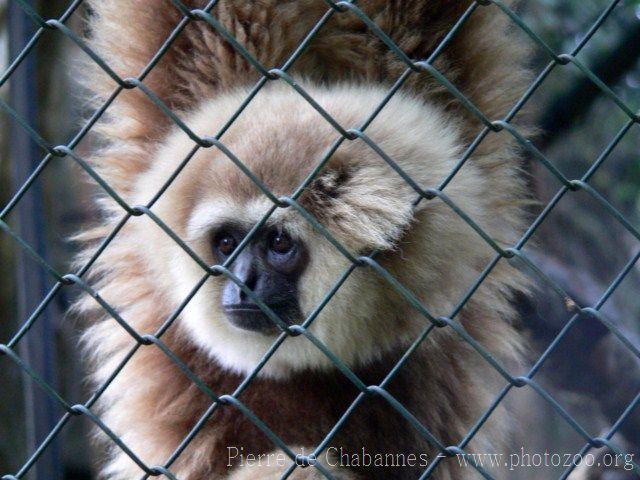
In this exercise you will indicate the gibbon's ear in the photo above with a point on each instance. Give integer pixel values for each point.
(364, 209)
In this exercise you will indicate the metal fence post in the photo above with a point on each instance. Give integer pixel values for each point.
(37, 348)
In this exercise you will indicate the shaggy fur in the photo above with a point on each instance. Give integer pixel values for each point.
(146, 276)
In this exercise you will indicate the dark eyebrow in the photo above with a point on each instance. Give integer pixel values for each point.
(231, 226)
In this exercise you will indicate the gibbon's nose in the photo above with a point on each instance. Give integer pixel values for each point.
(275, 290)
(245, 270)
(249, 277)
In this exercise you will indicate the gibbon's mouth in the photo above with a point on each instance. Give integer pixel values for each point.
(249, 316)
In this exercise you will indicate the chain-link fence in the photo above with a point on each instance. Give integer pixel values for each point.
(224, 400)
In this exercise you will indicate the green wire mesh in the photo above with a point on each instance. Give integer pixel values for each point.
(233, 400)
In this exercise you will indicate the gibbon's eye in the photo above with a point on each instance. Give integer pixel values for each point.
(225, 243)
(281, 243)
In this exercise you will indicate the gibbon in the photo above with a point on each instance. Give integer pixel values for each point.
(220, 333)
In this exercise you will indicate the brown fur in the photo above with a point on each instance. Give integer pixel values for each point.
(305, 409)
(445, 384)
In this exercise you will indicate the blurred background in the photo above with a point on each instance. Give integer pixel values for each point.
(581, 246)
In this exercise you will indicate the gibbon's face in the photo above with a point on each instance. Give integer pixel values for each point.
(270, 265)
(288, 264)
